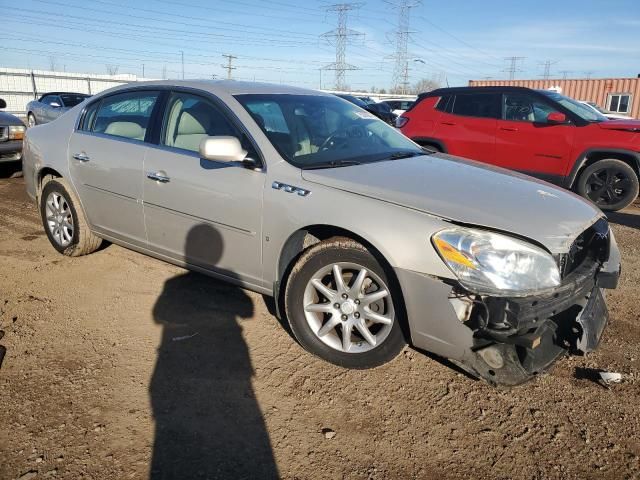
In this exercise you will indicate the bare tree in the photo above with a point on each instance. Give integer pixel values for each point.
(52, 63)
(426, 85)
(112, 69)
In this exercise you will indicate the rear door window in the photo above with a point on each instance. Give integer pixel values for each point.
(479, 105)
(125, 115)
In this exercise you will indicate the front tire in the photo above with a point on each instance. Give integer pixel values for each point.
(611, 184)
(31, 120)
(342, 306)
(63, 220)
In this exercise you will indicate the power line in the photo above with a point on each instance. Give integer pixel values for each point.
(513, 67)
(341, 36)
(400, 79)
(228, 66)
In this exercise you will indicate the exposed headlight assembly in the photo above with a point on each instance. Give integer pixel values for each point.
(489, 263)
(16, 132)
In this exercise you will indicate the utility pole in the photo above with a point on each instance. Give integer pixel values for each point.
(143, 70)
(401, 69)
(340, 36)
(588, 74)
(230, 59)
(182, 61)
(513, 66)
(547, 69)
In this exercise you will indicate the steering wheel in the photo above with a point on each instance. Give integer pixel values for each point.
(340, 137)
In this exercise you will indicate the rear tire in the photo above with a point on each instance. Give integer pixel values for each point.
(611, 184)
(365, 304)
(63, 220)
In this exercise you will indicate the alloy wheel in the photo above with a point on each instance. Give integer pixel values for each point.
(59, 219)
(608, 186)
(348, 307)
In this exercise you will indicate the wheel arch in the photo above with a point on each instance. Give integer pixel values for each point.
(305, 237)
(591, 156)
(42, 173)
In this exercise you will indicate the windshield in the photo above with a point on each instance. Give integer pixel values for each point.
(322, 131)
(580, 109)
(71, 100)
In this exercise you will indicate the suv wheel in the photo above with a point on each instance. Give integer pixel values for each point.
(64, 222)
(342, 307)
(611, 184)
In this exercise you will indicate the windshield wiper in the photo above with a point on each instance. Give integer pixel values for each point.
(332, 164)
(405, 154)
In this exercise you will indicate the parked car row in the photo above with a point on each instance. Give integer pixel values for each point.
(366, 240)
(538, 132)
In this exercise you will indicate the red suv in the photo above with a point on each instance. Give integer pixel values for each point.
(537, 132)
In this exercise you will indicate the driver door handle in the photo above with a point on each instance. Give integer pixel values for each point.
(81, 157)
(158, 177)
(509, 129)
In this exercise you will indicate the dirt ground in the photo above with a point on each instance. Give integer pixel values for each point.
(120, 366)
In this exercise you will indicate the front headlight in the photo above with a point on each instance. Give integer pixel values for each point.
(488, 263)
(16, 132)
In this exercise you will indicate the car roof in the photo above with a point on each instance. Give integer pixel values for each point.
(228, 87)
(63, 93)
(439, 92)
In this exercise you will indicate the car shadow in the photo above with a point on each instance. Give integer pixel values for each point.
(626, 219)
(10, 169)
(208, 423)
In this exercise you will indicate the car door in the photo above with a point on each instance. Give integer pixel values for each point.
(54, 108)
(106, 157)
(198, 211)
(466, 126)
(42, 109)
(527, 142)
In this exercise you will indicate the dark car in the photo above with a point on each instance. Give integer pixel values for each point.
(51, 105)
(11, 135)
(383, 112)
(538, 132)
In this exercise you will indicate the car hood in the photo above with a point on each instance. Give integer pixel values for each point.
(471, 193)
(627, 125)
(8, 119)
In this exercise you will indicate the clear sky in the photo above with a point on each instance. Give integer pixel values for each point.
(279, 40)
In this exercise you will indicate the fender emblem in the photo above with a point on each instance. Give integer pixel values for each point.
(290, 189)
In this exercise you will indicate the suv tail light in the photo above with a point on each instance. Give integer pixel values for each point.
(401, 121)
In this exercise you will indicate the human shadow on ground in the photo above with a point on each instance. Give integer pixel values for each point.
(208, 423)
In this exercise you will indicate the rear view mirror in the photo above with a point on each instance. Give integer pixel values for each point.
(3, 104)
(556, 117)
(222, 149)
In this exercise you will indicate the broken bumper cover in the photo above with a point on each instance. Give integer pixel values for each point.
(511, 339)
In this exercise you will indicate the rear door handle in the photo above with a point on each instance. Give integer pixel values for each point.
(158, 177)
(448, 123)
(509, 129)
(81, 157)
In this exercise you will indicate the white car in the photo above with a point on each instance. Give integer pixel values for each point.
(606, 113)
(399, 105)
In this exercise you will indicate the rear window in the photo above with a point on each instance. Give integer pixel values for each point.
(71, 100)
(124, 115)
(480, 105)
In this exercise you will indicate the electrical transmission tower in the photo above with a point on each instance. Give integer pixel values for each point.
(513, 67)
(228, 66)
(547, 69)
(401, 69)
(565, 73)
(340, 36)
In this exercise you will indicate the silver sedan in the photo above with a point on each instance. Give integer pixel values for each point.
(51, 105)
(367, 241)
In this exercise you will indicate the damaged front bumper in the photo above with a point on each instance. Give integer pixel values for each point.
(507, 341)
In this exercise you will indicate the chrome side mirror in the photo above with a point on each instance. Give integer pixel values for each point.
(222, 149)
